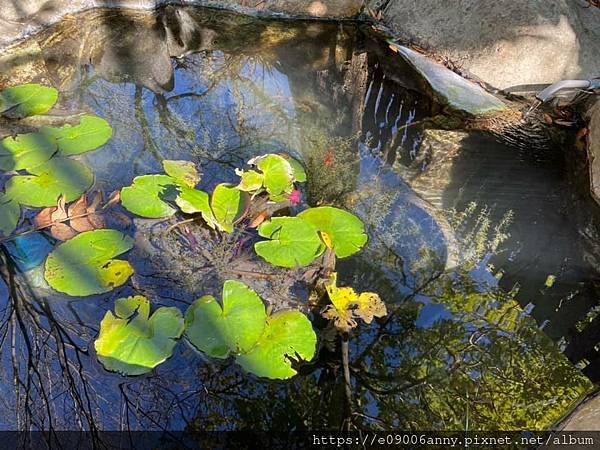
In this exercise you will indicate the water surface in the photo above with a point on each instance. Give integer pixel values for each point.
(464, 232)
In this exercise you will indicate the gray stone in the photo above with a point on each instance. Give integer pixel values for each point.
(593, 117)
(450, 89)
(19, 19)
(585, 417)
(504, 42)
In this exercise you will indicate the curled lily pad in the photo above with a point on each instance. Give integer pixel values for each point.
(49, 181)
(288, 335)
(132, 341)
(91, 133)
(297, 168)
(293, 242)
(192, 201)
(183, 171)
(228, 205)
(278, 175)
(25, 151)
(150, 196)
(27, 100)
(10, 213)
(348, 306)
(233, 328)
(251, 180)
(85, 266)
(344, 232)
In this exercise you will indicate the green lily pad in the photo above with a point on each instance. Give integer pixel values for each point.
(250, 180)
(47, 182)
(85, 266)
(27, 100)
(234, 328)
(25, 151)
(278, 175)
(10, 213)
(183, 171)
(288, 334)
(228, 205)
(345, 231)
(132, 341)
(192, 201)
(297, 167)
(91, 133)
(150, 195)
(293, 242)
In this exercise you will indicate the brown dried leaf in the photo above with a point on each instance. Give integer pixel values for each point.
(81, 224)
(62, 232)
(44, 218)
(79, 207)
(96, 200)
(123, 220)
(260, 218)
(61, 210)
(113, 199)
(97, 221)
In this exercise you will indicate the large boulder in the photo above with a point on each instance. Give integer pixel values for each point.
(503, 42)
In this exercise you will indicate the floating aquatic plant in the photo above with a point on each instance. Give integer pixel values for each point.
(183, 171)
(149, 194)
(298, 241)
(51, 175)
(233, 327)
(275, 174)
(227, 205)
(263, 345)
(47, 182)
(341, 231)
(91, 133)
(132, 341)
(84, 265)
(27, 100)
(25, 151)
(348, 306)
(10, 213)
(292, 242)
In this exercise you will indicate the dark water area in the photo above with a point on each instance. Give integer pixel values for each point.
(465, 234)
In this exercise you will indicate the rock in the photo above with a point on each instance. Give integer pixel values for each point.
(503, 42)
(450, 89)
(23, 18)
(23, 65)
(593, 117)
(585, 417)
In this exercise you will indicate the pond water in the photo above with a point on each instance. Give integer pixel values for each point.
(464, 233)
